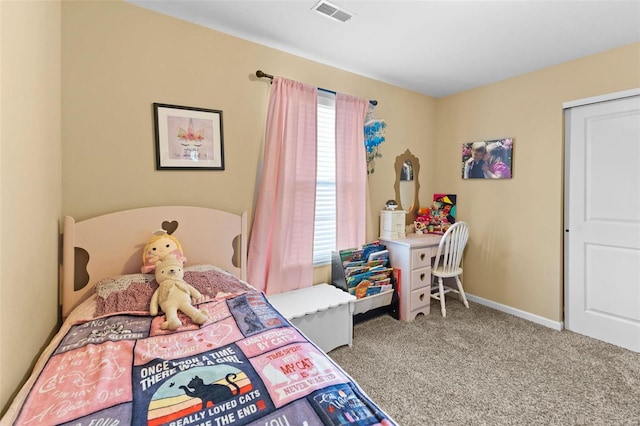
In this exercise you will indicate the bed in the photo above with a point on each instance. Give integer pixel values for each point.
(112, 364)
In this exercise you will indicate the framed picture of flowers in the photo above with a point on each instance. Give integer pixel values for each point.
(188, 138)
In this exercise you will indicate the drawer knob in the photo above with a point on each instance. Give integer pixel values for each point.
(422, 297)
(422, 256)
(422, 276)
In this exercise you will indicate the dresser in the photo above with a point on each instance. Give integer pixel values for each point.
(412, 256)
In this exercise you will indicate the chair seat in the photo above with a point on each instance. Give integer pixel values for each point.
(451, 273)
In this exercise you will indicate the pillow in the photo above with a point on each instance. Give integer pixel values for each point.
(133, 292)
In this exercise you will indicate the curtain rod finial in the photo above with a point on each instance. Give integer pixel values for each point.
(261, 74)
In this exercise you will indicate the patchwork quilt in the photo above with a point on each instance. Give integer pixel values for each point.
(246, 366)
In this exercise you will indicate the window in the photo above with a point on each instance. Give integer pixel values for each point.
(324, 231)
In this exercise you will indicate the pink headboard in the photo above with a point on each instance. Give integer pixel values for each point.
(112, 244)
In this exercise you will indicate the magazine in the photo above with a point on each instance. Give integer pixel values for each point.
(378, 255)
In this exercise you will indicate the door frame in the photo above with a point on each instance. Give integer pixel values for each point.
(566, 106)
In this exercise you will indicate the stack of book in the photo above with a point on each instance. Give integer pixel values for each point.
(366, 269)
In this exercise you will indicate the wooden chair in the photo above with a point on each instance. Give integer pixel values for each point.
(447, 263)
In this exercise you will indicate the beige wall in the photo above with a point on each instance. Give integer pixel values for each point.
(515, 250)
(30, 168)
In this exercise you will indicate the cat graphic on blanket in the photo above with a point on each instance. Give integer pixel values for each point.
(212, 392)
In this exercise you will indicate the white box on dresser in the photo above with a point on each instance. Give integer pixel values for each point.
(392, 223)
(412, 256)
(322, 312)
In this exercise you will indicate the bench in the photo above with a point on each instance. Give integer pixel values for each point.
(322, 312)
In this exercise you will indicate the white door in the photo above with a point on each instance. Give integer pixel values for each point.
(602, 221)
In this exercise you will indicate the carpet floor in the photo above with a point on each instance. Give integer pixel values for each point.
(480, 366)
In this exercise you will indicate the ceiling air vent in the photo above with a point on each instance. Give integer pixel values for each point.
(330, 10)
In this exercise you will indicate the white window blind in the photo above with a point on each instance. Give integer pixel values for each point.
(324, 232)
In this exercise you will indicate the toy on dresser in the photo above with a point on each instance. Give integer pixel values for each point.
(437, 218)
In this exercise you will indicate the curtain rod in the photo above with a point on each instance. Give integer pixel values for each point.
(261, 74)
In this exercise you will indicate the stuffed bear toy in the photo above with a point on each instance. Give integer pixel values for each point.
(160, 246)
(174, 293)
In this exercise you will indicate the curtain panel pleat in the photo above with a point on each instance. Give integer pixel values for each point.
(281, 245)
(351, 171)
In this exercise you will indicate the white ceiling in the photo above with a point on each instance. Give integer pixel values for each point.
(432, 47)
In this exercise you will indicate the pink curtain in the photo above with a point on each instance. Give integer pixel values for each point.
(351, 171)
(281, 246)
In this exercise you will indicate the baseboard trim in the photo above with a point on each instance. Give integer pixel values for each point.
(516, 312)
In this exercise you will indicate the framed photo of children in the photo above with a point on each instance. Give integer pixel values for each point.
(188, 138)
(490, 159)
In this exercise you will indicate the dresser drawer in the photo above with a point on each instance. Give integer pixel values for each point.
(420, 298)
(421, 257)
(420, 278)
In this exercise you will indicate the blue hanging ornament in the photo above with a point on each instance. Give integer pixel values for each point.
(374, 135)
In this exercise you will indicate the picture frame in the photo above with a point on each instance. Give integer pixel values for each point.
(489, 159)
(188, 138)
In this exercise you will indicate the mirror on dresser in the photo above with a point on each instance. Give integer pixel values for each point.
(407, 185)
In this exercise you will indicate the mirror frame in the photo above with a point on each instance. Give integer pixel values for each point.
(412, 210)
